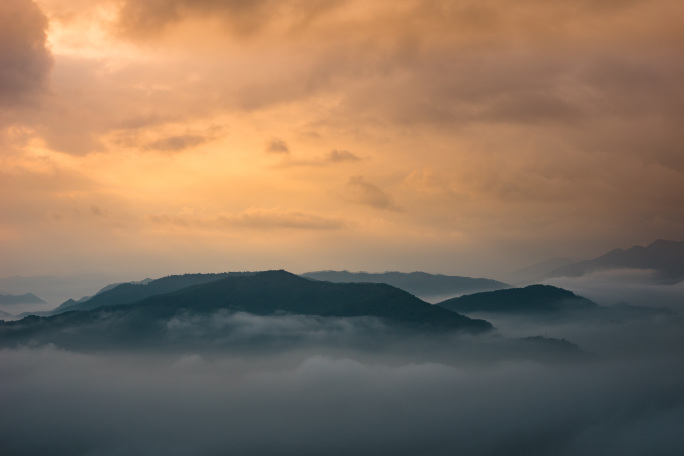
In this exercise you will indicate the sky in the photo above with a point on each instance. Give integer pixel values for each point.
(457, 137)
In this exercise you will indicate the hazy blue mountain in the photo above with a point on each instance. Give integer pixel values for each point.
(421, 284)
(54, 289)
(5, 316)
(664, 257)
(114, 285)
(27, 298)
(531, 299)
(125, 293)
(147, 321)
(534, 273)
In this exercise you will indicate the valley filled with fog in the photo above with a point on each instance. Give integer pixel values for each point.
(603, 381)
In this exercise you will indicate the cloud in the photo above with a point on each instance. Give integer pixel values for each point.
(359, 191)
(316, 402)
(25, 61)
(338, 156)
(277, 218)
(633, 286)
(254, 218)
(176, 143)
(331, 158)
(277, 146)
(229, 329)
(140, 20)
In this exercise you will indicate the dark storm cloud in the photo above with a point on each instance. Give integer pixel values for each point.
(25, 61)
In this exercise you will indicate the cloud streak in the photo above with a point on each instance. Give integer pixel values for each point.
(255, 218)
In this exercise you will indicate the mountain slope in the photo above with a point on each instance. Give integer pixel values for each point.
(421, 284)
(666, 258)
(126, 293)
(265, 293)
(28, 298)
(531, 299)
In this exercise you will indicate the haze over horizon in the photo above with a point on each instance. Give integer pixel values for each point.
(141, 139)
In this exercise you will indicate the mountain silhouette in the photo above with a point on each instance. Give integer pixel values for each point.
(126, 293)
(28, 298)
(531, 299)
(666, 258)
(264, 293)
(421, 284)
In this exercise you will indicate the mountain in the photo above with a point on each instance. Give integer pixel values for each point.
(666, 258)
(534, 273)
(28, 298)
(54, 289)
(147, 321)
(71, 302)
(126, 293)
(421, 284)
(531, 299)
(6, 316)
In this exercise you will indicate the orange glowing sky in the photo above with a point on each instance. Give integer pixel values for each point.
(464, 137)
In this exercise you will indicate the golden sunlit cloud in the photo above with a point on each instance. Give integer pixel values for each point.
(537, 129)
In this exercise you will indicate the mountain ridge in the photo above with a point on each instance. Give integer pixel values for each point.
(26, 298)
(421, 284)
(263, 293)
(531, 299)
(664, 257)
(129, 292)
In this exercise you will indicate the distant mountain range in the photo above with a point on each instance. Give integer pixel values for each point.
(145, 321)
(421, 284)
(666, 258)
(28, 298)
(531, 299)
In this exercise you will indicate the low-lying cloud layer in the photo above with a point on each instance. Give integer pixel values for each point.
(63, 402)
(631, 286)
(291, 384)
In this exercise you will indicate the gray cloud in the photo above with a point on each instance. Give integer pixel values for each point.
(331, 158)
(176, 143)
(338, 156)
(334, 403)
(633, 286)
(242, 18)
(277, 146)
(25, 61)
(358, 190)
